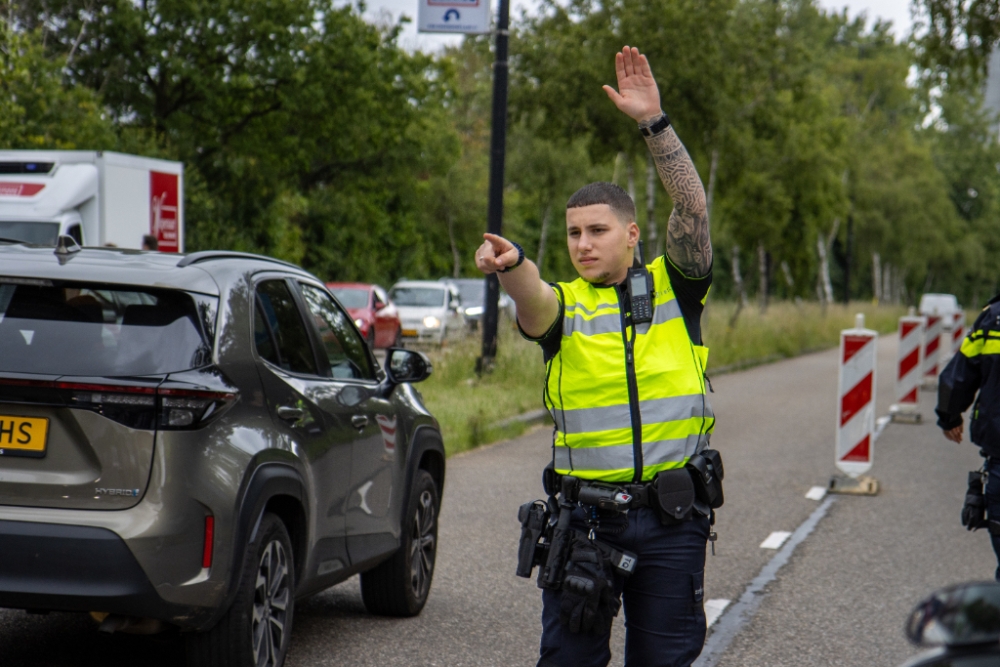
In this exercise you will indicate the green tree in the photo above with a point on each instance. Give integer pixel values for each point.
(37, 108)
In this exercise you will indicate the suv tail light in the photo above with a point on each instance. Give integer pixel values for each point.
(136, 406)
(190, 408)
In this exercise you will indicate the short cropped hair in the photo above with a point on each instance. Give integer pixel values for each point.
(605, 193)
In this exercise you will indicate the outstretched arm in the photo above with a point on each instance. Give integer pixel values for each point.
(688, 242)
(537, 306)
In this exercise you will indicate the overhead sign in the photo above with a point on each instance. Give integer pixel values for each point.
(461, 16)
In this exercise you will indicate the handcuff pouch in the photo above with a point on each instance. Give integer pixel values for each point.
(676, 494)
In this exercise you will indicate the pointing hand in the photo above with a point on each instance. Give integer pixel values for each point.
(496, 253)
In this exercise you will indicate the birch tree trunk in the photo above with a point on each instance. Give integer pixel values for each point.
(876, 277)
(630, 175)
(710, 193)
(741, 292)
(823, 248)
(456, 257)
(543, 236)
(888, 293)
(762, 266)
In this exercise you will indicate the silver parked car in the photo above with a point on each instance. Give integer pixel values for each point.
(473, 294)
(201, 440)
(430, 311)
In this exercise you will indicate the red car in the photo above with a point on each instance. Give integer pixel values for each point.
(372, 311)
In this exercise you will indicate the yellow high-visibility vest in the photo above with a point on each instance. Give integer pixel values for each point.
(627, 403)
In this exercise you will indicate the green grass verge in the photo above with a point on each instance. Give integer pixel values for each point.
(787, 329)
(469, 407)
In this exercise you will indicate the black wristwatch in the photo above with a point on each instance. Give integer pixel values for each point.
(520, 259)
(657, 127)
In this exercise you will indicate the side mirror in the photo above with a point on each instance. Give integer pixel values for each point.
(407, 366)
(960, 615)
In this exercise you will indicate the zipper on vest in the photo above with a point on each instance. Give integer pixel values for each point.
(633, 393)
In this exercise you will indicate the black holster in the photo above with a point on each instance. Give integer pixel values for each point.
(532, 550)
(974, 508)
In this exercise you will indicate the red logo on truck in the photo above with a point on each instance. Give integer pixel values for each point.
(20, 189)
(163, 210)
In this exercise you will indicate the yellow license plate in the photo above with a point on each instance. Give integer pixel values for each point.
(23, 436)
(409, 332)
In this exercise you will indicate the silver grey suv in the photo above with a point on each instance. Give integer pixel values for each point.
(197, 441)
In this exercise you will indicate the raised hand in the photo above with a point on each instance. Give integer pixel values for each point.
(637, 94)
(495, 253)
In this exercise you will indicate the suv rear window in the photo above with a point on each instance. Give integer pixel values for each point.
(99, 330)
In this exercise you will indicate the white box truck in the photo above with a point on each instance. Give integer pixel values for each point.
(97, 197)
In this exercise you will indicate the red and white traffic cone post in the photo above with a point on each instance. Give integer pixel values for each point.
(957, 332)
(932, 349)
(856, 410)
(909, 368)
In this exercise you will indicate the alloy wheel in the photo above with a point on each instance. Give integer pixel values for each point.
(271, 600)
(423, 540)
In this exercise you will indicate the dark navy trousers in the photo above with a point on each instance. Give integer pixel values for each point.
(992, 493)
(662, 599)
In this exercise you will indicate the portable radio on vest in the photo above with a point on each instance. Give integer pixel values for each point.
(640, 291)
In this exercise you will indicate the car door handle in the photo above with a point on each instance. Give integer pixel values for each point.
(359, 421)
(290, 413)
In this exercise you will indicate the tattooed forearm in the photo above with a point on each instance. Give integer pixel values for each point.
(688, 244)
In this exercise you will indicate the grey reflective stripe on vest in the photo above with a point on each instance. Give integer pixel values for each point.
(619, 457)
(654, 411)
(575, 323)
(662, 313)
(573, 307)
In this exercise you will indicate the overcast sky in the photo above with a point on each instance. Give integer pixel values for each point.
(897, 11)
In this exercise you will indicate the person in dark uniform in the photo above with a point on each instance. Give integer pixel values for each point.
(626, 387)
(972, 378)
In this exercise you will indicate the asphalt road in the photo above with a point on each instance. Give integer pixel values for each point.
(841, 599)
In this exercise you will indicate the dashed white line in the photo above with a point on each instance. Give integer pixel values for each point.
(739, 614)
(775, 540)
(816, 493)
(713, 610)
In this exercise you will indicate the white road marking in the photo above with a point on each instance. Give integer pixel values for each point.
(740, 613)
(775, 540)
(880, 425)
(28, 335)
(816, 493)
(713, 610)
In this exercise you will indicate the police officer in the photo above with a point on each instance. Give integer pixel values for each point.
(628, 398)
(976, 369)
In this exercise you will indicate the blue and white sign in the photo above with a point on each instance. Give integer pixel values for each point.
(464, 16)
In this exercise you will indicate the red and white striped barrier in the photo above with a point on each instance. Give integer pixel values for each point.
(909, 369)
(856, 399)
(932, 345)
(958, 332)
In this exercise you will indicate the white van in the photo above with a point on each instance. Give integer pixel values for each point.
(944, 306)
(96, 197)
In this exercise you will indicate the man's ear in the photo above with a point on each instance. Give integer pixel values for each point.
(632, 230)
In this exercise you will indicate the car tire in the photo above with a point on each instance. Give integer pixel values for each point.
(400, 586)
(266, 597)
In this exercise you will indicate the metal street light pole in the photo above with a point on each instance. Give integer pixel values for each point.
(498, 145)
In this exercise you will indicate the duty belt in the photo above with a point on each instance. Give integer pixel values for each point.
(617, 497)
